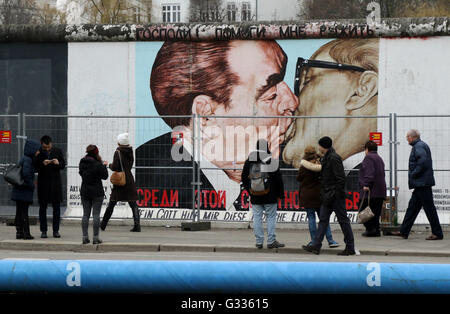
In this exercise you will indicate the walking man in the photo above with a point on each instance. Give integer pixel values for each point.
(261, 177)
(48, 163)
(332, 193)
(421, 179)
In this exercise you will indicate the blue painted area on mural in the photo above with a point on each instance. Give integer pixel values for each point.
(220, 277)
(145, 54)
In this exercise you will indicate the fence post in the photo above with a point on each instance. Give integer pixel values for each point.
(196, 224)
(394, 213)
(19, 136)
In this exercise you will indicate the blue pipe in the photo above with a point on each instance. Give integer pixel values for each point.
(105, 276)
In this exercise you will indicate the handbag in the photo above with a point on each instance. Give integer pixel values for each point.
(118, 177)
(366, 214)
(13, 175)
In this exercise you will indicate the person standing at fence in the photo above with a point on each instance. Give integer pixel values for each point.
(309, 191)
(23, 194)
(123, 161)
(261, 177)
(48, 164)
(421, 179)
(373, 187)
(332, 193)
(92, 171)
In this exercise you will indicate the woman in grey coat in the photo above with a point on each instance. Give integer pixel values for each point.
(23, 194)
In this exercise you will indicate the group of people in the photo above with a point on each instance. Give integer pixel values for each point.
(47, 160)
(321, 180)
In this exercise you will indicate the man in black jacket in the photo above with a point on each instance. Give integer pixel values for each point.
(48, 163)
(332, 194)
(264, 201)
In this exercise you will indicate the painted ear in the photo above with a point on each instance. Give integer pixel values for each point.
(367, 88)
(202, 105)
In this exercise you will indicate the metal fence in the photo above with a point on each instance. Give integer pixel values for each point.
(199, 185)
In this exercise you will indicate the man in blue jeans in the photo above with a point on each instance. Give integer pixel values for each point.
(261, 177)
(421, 179)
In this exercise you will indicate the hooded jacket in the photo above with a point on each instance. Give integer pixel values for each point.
(276, 182)
(92, 172)
(420, 170)
(24, 192)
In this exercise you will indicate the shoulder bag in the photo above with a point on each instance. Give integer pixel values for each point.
(118, 177)
(13, 175)
(366, 214)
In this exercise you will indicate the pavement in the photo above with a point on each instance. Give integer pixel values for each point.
(118, 238)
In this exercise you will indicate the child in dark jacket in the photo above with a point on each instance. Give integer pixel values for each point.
(23, 194)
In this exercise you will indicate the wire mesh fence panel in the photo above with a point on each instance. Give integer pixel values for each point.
(10, 152)
(434, 130)
(226, 142)
(160, 181)
(36, 126)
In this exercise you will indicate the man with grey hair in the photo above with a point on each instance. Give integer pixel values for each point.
(421, 179)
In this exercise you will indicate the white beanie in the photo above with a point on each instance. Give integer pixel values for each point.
(122, 139)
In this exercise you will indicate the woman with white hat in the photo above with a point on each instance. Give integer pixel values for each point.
(123, 161)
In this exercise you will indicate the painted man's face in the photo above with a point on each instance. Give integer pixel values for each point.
(323, 92)
(260, 91)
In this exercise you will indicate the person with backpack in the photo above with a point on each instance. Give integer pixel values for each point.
(23, 194)
(261, 177)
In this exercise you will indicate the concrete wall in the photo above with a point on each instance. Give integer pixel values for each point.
(112, 79)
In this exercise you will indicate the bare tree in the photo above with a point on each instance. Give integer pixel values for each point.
(17, 11)
(207, 11)
(49, 15)
(358, 9)
(117, 11)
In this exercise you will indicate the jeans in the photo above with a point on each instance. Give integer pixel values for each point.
(311, 214)
(94, 204)
(338, 207)
(271, 219)
(422, 196)
(43, 216)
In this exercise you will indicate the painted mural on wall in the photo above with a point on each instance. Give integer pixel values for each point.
(236, 88)
(256, 83)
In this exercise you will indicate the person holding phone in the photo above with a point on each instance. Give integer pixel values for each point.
(48, 164)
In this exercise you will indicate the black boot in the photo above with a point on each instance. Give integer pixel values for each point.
(136, 219)
(19, 232)
(26, 230)
(106, 216)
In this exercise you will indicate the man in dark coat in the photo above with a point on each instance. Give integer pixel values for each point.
(421, 179)
(23, 194)
(332, 195)
(267, 202)
(48, 164)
